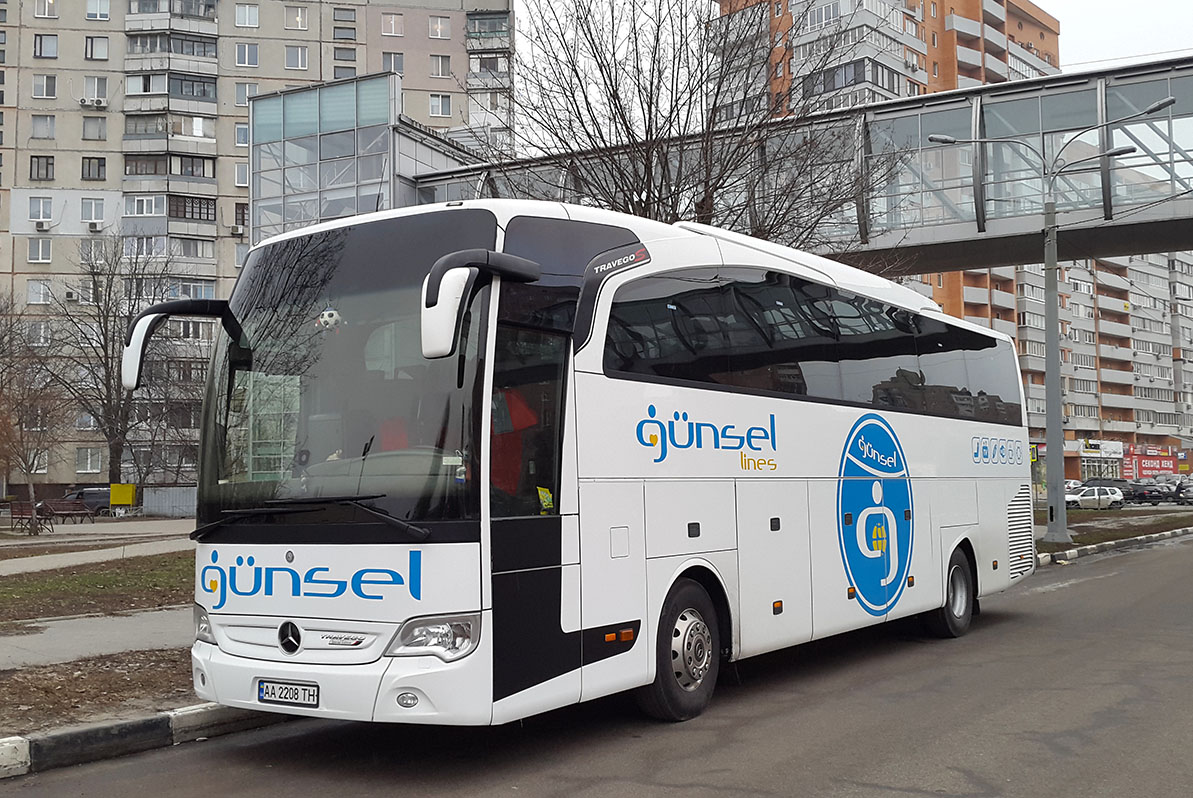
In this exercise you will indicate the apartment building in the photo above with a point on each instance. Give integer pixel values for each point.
(884, 49)
(130, 118)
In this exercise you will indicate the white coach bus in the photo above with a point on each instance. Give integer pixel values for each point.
(465, 463)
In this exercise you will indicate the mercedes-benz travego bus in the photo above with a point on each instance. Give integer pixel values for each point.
(465, 463)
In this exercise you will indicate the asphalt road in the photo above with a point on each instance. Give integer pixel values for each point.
(1075, 684)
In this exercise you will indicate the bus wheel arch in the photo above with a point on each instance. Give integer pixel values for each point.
(953, 619)
(687, 659)
(711, 582)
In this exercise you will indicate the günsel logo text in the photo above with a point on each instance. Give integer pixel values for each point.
(245, 577)
(682, 431)
(874, 514)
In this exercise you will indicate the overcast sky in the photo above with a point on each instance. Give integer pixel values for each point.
(1106, 30)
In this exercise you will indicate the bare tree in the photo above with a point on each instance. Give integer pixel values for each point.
(33, 410)
(120, 275)
(669, 109)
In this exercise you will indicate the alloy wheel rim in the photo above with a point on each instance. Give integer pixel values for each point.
(691, 649)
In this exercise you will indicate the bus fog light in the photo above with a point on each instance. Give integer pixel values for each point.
(448, 637)
(203, 626)
(407, 700)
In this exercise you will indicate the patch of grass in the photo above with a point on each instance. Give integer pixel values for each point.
(134, 583)
(1129, 527)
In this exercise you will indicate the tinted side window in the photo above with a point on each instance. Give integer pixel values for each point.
(967, 374)
(878, 358)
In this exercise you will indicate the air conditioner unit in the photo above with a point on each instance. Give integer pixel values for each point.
(238, 229)
(72, 296)
(95, 227)
(1137, 378)
(84, 101)
(42, 226)
(100, 102)
(1064, 420)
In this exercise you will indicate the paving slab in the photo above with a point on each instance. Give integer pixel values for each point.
(93, 636)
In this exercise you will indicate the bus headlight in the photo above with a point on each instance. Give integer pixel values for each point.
(448, 637)
(203, 626)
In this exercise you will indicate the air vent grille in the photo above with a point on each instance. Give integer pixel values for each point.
(1020, 532)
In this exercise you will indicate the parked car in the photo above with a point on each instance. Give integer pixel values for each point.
(1072, 485)
(1149, 494)
(1094, 498)
(1123, 486)
(98, 500)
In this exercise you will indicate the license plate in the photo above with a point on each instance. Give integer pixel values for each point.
(299, 695)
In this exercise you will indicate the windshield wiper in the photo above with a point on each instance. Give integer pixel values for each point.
(248, 512)
(417, 532)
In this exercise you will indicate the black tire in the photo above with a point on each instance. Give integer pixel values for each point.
(687, 655)
(953, 619)
(1115, 505)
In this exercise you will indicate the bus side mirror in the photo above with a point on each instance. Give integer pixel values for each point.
(134, 350)
(441, 321)
(448, 285)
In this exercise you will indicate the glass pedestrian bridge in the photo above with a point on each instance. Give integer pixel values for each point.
(929, 204)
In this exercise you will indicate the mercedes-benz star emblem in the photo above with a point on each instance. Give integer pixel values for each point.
(289, 637)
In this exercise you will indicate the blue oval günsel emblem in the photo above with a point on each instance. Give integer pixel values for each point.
(874, 495)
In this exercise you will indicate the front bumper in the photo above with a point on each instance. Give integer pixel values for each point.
(449, 693)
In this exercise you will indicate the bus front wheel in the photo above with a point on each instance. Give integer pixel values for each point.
(687, 655)
(953, 619)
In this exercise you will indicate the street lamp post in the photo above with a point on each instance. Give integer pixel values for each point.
(1058, 528)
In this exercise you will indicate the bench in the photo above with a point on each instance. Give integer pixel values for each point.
(74, 509)
(22, 518)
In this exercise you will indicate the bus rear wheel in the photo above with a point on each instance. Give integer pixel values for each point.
(687, 655)
(953, 619)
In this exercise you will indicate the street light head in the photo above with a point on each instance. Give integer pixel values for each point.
(1126, 149)
(1160, 105)
(940, 138)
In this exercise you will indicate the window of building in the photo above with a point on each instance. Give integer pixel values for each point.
(154, 83)
(143, 247)
(296, 18)
(45, 87)
(95, 87)
(37, 333)
(493, 64)
(45, 8)
(391, 62)
(192, 329)
(344, 14)
(91, 209)
(344, 53)
(201, 88)
(85, 421)
(441, 105)
(37, 292)
(95, 48)
(246, 54)
(935, 69)
(296, 57)
(147, 43)
(933, 9)
(193, 248)
(41, 209)
(242, 134)
(440, 28)
(393, 25)
(934, 44)
(39, 250)
(144, 205)
(145, 124)
(95, 128)
(193, 289)
(441, 66)
(343, 34)
(88, 459)
(192, 208)
(246, 15)
(242, 252)
(192, 166)
(341, 72)
(99, 9)
(43, 126)
(240, 214)
(242, 174)
(45, 45)
(41, 167)
(244, 91)
(200, 46)
(95, 169)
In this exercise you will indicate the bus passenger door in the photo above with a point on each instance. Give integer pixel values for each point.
(774, 567)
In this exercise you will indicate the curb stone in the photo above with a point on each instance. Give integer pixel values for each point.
(73, 746)
(1113, 545)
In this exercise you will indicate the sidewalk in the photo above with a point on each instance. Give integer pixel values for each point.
(164, 536)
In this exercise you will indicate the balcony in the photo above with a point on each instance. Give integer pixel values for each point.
(487, 41)
(1002, 299)
(1111, 280)
(1123, 353)
(1113, 304)
(161, 62)
(995, 68)
(1031, 363)
(967, 56)
(966, 28)
(1003, 272)
(979, 321)
(488, 79)
(994, 12)
(996, 41)
(145, 103)
(1114, 328)
(976, 295)
(1118, 426)
(1083, 423)
(1116, 376)
(1119, 400)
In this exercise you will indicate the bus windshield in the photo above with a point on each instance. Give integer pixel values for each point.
(327, 394)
